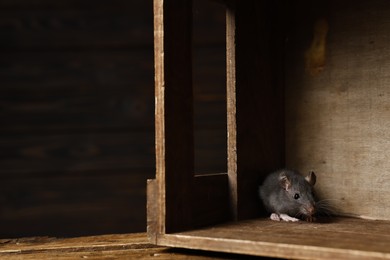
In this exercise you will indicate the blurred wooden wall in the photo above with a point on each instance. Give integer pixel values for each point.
(77, 112)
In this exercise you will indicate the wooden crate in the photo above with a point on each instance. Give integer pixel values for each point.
(306, 88)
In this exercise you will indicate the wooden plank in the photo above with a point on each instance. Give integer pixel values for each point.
(208, 24)
(63, 206)
(76, 91)
(210, 151)
(255, 88)
(174, 113)
(104, 242)
(68, 25)
(152, 210)
(337, 120)
(231, 108)
(56, 69)
(211, 200)
(337, 238)
(49, 155)
(127, 246)
(66, 4)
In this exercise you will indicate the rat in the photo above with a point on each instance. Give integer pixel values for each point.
(288, 196)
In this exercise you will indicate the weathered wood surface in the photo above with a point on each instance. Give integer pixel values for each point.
(335, 238)
(173, 114)
(129, 246)
(338, 120)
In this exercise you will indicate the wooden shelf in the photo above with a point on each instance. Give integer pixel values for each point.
(335, 238)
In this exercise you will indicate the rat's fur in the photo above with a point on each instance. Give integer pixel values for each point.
(279, 193)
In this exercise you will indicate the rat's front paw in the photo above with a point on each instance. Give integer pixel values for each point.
(310, 219)
(284, 217)
(287, 218)
(274, 217)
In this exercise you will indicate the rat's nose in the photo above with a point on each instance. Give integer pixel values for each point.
(311, 209)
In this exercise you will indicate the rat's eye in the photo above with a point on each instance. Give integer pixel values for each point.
(296, 196)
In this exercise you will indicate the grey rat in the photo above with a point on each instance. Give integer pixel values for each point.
(288, 195)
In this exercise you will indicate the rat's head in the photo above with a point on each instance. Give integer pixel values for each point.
(299, 193)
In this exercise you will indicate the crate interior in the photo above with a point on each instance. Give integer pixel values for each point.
(308, 89)
(337, 104)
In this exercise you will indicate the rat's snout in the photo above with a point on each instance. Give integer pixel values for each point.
(311, 209)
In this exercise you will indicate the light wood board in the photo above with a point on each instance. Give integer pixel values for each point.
(340, 238)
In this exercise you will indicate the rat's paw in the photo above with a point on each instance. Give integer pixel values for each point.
(310, 219)
(274, 217)
(287, 218)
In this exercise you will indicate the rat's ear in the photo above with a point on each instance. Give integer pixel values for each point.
(311, 178)
(284, 181)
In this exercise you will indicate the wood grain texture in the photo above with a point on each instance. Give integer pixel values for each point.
(128, 246)
(231, 102)
(91, 25)
(337, 121)
(340, 238)
(55, 155)
(174, 113)
(63, 205)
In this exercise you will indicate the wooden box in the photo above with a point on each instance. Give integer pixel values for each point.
(307, 88)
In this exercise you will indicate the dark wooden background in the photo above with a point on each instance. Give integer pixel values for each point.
(77, 112)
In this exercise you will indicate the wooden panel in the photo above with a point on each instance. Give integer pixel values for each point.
(338, 239)
(209, 75)
(63, 206)
(128, 246)
(44, 25)
(211, 200)
(76, 92)
(338, 120)
(76, 112)
(50, 155)
(210, 151)
(174, 113)
(85, 70)
(208, 24)
(256, 89)
(22, 247)
(209, 80)
(231, 108)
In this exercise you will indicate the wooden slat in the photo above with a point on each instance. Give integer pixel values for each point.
(231, 108)
(44, 25)
(63, 206)
(339, 238)
(56, 69)
(127, 246)
(208, 23)
(105, 242)
(174, 113)
(63, 92)
(54, 155)
(210, 151)
(211, 200)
